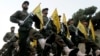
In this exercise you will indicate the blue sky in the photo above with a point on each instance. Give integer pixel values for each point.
(8, 7)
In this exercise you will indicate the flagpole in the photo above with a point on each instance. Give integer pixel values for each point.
(28, 16)
(47, 23)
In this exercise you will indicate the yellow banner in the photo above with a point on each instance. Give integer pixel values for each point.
(38, 13)
(56, 21)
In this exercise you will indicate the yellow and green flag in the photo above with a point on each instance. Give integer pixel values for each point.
(65, 23)
(64, 20)
(38, 13)
(91, 29)
(56, 21)
(82, 29)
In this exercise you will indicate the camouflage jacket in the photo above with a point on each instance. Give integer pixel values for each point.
(21, 15)
(8, 36)
(50, 28)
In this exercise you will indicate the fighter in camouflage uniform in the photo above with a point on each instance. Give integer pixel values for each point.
(9, 38)
(24, 27)
(89, 43)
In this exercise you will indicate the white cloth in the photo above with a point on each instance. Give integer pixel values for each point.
(42, 42)
(21, 22)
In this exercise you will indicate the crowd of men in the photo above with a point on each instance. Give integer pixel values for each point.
(30, 42)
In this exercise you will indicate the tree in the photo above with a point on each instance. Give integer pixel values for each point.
(84, 14)
(78, 15)
(96, 20)
(90, 10)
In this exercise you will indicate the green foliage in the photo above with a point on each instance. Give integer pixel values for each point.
(96, 20)
(78, 16)
(84, 14)
(90, 10)
(97, 15)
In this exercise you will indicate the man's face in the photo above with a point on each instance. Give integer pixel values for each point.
(25, 6)
(71, 22)
(45, 13)
(85, 24)
(12, 29)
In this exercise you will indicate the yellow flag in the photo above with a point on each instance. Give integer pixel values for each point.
(91, 29)
(34, 43)
(82, 29)
(56, 20)
(64, 19)
(38, 13)
(65, 22)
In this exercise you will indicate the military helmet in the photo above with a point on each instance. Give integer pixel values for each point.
(26, 2)
(45, 9)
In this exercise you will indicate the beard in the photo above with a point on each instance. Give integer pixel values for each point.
(25, 8)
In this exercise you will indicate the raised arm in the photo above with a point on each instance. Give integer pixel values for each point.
(15, 17)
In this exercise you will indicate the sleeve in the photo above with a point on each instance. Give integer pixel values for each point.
(5, 37)
(15, 17)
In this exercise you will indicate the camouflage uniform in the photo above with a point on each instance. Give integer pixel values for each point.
(47, 32)
(50, 27)
(23, 30)
(62, 40)
(74, 37)
(90, 44)
(63, 34)
(9, 38)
